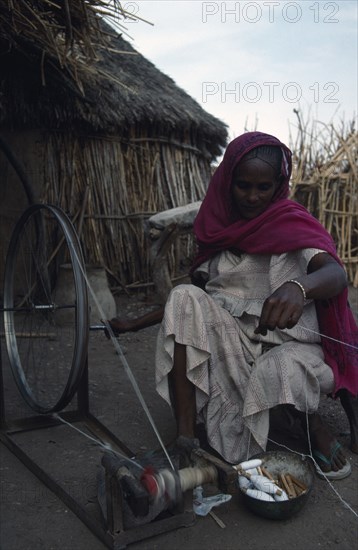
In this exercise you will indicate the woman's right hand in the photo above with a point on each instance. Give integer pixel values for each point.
(118, 326)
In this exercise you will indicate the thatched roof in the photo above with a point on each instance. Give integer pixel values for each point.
(65, 33)
(119, 90)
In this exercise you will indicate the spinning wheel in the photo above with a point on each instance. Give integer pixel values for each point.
(47, 350)
(47, 332)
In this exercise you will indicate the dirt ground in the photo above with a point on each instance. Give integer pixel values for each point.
(33, 518)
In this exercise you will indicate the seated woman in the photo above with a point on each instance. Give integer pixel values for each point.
(245, 337)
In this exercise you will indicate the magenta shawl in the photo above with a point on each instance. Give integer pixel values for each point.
(284, 226)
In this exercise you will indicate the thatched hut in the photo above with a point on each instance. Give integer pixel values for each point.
(133, 143)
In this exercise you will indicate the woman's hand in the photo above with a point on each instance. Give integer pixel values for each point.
(282, 309)
(119, 326)
(325, 278)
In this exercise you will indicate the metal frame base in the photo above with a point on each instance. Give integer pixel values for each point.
(113, 535)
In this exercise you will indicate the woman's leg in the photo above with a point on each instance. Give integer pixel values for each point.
(350, 405)
(183, 397)
(198, 352)
(322, 441)
(183, 394)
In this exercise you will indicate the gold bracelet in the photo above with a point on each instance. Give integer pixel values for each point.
(301, 287)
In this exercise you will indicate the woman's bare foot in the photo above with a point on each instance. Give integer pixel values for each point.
(350, 405)
(326, 450)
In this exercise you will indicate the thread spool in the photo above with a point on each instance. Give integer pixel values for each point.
(193, 477)
(170, 485)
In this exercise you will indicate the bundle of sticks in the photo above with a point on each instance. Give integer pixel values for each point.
(289, 483)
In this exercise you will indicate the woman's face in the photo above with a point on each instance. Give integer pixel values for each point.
(254, 183)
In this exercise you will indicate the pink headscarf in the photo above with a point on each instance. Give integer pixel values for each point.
(284, 226)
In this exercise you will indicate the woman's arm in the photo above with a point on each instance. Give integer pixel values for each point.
(119, 326)
(325, 279)
(132, 325)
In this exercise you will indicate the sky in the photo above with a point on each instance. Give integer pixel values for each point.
(251, 63)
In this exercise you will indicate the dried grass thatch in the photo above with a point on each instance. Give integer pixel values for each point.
(57, 37)
(136, 94)
(325, 181)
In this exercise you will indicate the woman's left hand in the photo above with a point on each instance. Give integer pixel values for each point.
(282, 309)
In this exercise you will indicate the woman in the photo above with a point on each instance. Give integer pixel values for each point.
(244, 338)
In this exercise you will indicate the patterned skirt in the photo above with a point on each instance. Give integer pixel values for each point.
(238, 376)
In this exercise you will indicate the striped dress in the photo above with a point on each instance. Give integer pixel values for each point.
(239, 376)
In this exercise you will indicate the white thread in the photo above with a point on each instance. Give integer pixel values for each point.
(170, 484)
(307, 423)
(249, 440)
(124, 362)
(107, 446)
(325, 336)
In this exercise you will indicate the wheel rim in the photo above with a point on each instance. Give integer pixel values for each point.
(47, 353)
